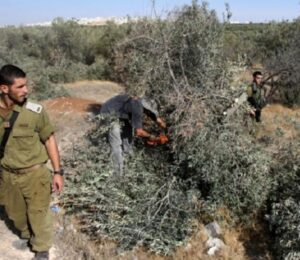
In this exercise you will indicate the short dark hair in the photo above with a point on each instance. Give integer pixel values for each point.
(9, 73)
(256, 73)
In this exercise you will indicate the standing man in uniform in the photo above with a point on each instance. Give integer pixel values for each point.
(27, 142)
(256, 95)
(128, 111)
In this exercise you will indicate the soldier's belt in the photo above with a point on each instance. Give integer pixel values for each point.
(23, 170)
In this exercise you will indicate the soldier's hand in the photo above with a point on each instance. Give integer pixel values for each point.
(252, 112)
(57, 183)
(161, 123)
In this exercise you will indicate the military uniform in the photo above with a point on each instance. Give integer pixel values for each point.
(25, 181)
(256, 98)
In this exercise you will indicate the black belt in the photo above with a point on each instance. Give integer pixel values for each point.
(23, 170)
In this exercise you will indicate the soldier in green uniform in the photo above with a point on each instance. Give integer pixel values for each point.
(25, 182)
(256, 95)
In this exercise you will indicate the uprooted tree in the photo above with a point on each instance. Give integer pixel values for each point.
(211, 162)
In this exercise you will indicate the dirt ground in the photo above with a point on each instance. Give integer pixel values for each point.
(68, 114)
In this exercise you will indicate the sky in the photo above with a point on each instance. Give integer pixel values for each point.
(22, 12)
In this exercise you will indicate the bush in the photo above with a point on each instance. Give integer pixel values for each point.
(99, 69)
(285, 205)
(44, 89)
(64, 52)
(232, 168)
(285, 63)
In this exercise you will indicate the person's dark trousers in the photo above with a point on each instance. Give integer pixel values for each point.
(257, 115)
(127, 137)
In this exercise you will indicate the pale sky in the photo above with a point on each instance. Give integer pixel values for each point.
(22, 12)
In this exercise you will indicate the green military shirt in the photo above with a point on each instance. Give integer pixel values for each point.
(256, 96)
(25, 146)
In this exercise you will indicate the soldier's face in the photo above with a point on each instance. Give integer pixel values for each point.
(258, 79)
(18, 91)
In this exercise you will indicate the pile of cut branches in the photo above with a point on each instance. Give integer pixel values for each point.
(148, 206)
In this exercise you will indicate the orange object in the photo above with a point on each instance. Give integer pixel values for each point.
(162, 139)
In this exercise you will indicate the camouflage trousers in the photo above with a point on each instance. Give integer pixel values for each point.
(26, 198)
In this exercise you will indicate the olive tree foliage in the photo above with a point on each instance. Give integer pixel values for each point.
(146, 207)
(284, 215)
(62, 52)
(211, 161)
(256, 43)
(175, 59)
(285, 64)
(180, 63)
(28, 48)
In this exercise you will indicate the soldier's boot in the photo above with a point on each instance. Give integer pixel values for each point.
(44, 255)
(20, 244)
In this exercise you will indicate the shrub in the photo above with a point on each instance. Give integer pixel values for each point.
(231, 168)
(284, 216)
(64, 52)
(285, 62)
(44, 89)
(99, 69)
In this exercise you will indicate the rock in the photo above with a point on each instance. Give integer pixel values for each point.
(213, 230)
(214, 245)
(188, 247)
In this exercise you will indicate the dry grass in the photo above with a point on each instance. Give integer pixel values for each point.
(75, 245)
(280, 122)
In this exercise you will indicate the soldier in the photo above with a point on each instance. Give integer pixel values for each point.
(256, 95)
(129, 115)
(27, 141)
